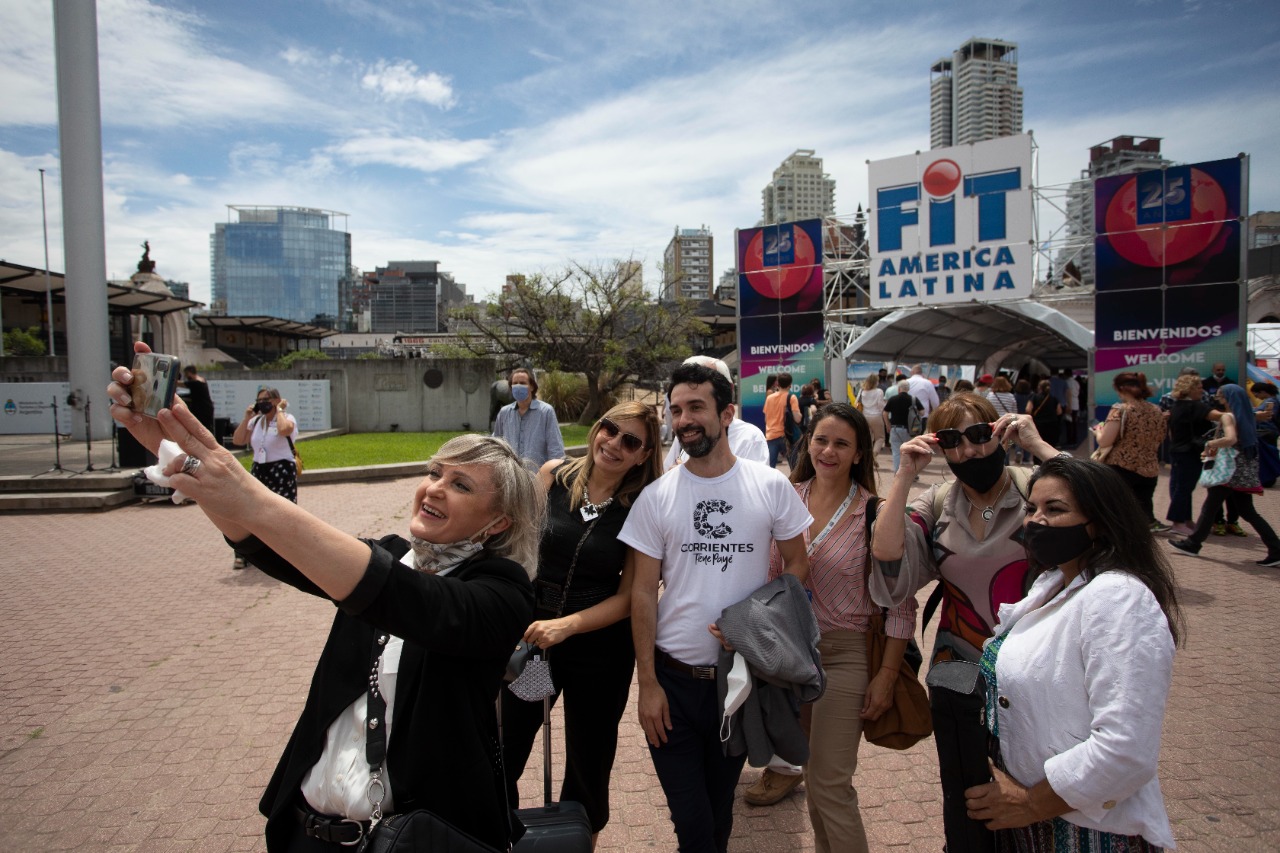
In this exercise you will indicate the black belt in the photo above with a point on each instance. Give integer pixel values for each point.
(704, 673)
(336, 830)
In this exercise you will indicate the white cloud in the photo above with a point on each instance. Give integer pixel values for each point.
(410, 152)
(400, 81)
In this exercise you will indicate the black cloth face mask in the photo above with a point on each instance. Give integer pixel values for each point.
(1053, 546)
(980, 473)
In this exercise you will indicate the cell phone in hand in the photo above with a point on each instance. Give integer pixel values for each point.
(155, 377)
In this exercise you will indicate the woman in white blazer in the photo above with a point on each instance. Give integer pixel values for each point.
(1078, 674)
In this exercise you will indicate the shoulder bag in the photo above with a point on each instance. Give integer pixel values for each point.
(908, 719)
(1219, 469)
(297, 457)
(1101, 454)
(407, 832)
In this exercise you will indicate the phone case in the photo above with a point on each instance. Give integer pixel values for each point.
(155, 376)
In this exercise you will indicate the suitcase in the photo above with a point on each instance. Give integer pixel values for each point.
(553, 827)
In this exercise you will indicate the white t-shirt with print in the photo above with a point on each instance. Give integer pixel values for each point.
(712, 536)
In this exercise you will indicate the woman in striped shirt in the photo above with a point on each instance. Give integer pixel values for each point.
(835, 477)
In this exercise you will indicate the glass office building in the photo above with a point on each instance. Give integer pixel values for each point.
(280, 262)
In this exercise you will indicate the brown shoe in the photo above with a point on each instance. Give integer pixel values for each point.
(771, 787)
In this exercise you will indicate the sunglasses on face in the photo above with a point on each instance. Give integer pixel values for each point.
(950, 438)
(631, 442)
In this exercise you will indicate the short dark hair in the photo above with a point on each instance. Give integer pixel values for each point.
(1122, 536)
(784, 380)
(696, 374)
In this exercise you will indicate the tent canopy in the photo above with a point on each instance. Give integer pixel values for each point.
(974, 333)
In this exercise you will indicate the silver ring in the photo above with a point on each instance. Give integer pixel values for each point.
(191, 466)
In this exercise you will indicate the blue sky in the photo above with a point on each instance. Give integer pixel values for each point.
(501, 137)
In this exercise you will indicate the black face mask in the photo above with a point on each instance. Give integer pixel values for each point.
(1053, 546)
(980, 473)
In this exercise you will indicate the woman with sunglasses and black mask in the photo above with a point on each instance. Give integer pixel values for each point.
(962, 534)
(582, 604)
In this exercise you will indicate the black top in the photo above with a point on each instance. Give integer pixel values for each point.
(599, 568)
(458, 633)
(200, 402)
(1188, 422)
(898, 408)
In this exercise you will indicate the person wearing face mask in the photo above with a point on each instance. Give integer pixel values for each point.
(1217, 378)
(1078, 674)
(268, 430)
(962, 535)
(529, 425)
(423, 627)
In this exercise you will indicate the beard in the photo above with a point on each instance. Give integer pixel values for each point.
(697, 443)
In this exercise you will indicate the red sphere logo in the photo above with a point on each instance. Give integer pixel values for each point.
(779, 282)
(1168, 243)
(941, 178)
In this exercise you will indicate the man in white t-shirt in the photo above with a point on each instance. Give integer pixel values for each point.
(746, 440)
(704, 528)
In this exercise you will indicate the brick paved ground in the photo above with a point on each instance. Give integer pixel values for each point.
(148, 690)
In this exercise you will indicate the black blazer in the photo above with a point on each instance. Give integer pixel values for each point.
(458, 631)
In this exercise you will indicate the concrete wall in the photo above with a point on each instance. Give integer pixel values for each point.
(366, 395)
(370, 395)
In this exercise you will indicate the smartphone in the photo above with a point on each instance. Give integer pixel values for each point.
(155, 377)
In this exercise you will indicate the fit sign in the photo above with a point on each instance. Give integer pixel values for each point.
(952, 225)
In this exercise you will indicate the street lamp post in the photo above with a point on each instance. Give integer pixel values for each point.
(48, 285)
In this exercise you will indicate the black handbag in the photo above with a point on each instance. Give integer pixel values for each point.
(408, 832)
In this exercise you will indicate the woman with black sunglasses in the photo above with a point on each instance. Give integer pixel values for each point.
(582, 604)
(962, 534)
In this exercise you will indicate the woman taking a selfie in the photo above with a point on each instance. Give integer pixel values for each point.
(423, 629)
(1078, 674)
(582, 604)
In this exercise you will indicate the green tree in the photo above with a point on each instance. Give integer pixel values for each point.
(590, 319)
(23, 342)
(286, 361)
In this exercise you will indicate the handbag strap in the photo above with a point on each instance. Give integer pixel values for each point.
(292, 449)
(375, 742)
(573, 564)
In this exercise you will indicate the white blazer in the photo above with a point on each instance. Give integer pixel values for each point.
(1082, 681)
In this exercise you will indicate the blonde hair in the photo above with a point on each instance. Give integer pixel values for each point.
(573, 475)
(517, 495)
(1183, 385)
(957, 407)
(872, 381)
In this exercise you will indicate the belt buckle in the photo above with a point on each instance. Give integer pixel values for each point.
(359, 831)
(706, 673)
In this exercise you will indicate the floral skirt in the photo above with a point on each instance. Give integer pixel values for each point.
(280, 477)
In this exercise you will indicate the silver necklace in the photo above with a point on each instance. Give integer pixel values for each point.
(589, 510)
(990, 511)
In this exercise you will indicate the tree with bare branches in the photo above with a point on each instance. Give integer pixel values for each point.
(590, 319)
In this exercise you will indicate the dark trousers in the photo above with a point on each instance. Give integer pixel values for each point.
(1241, 503)
(698, 779)
(593, 672)
(962, 743)
(1143, 488)
(777, 447)
(1184, 474)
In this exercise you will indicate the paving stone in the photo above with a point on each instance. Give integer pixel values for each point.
(149, 691)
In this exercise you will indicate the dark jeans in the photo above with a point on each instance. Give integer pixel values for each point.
(1241, 503)
(698, 779)
(777, 447)
(593, 672)
(962, 742)
(1184, 474)
(1143, 488)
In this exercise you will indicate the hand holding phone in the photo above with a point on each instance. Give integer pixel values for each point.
(155, 377)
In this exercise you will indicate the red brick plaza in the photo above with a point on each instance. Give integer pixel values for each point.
(148, 690)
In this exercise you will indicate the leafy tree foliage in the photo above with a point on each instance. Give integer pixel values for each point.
(591, 319)
(286, 361)
(23, 342)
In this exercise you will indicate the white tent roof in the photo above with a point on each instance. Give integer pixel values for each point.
(974, 333)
